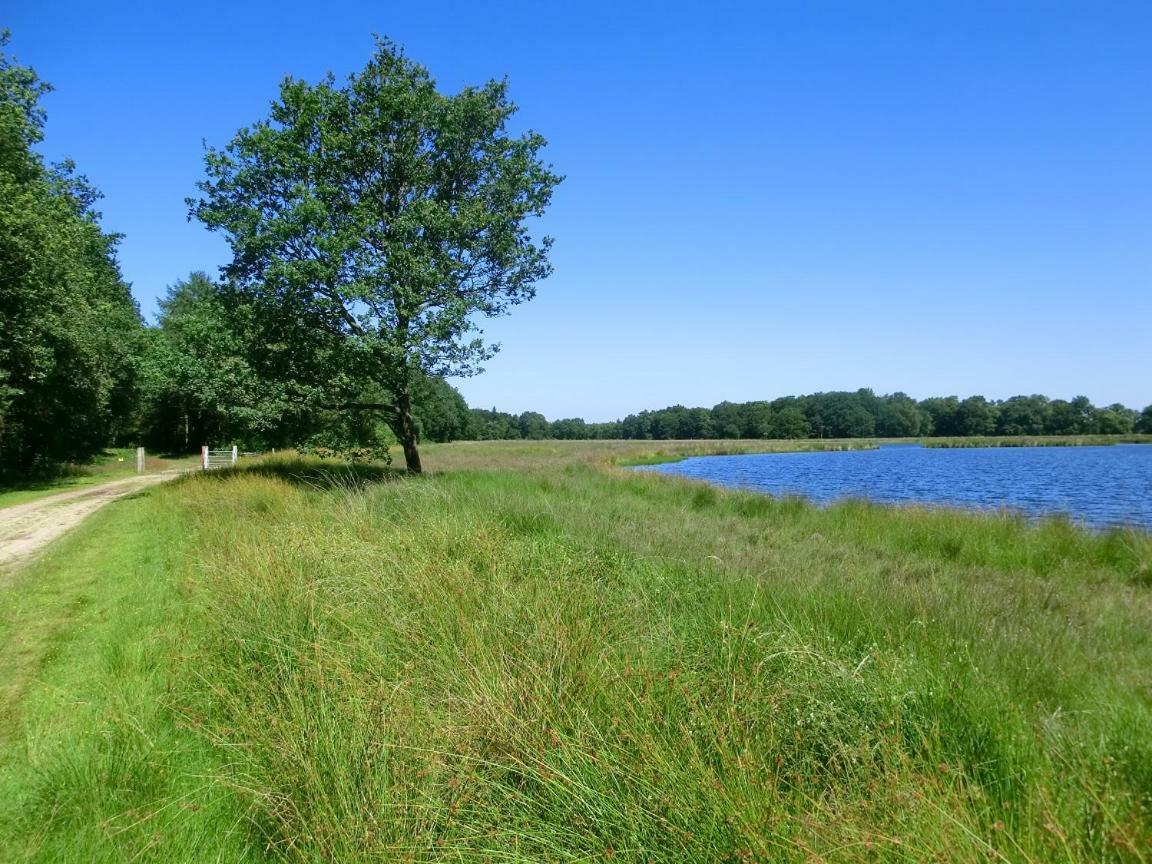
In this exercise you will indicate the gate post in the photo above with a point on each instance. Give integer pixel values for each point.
(139, 460)
(204, 457)
(235, 454)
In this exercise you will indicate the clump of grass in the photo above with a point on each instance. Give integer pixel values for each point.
(583, 665)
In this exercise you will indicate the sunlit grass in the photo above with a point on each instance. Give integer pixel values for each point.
(561, 663)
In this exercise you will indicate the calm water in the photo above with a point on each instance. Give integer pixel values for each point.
(1099, 486)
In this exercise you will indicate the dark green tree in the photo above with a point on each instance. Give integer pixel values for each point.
(533, 425)
(943, 413)
(1022, 415)
(494, 425)
(1070, 418)
(728, 420)
(756, 420)
(1115, 419)
(788, 421)
(898, 416)
(570, 429)
(372, 222)
(975, 416)
(70, 332)
(198, 385)
(1144, 421)
(441, 412)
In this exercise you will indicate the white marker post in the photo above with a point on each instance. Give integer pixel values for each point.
(204, 457)
(235, 454)
(139, 460)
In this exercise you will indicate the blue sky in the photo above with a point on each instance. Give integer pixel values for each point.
(761, 199)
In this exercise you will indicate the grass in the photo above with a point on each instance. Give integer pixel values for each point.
(550, 660)
(95, 762)
(1038, 441)
(113, 464)
(551, 455)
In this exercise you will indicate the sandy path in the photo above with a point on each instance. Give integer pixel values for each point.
(25, 529)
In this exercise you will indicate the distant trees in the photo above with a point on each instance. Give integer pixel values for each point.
(786, 420)
(1023, 415)
(196, 385)
(856, 414)
(1143, 423)
(70, 332)
(532, 425)
(441, 412)
(1115, 419)
(372, 222)
(898, 416)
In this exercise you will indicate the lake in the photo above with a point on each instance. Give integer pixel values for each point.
(1097, 486)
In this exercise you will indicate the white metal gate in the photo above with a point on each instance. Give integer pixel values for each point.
(212, 459)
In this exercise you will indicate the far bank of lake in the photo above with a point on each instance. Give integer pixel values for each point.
(1098, 486)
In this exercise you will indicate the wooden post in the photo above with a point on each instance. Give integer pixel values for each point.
(204, 457)
(139, 460)
(235, 454)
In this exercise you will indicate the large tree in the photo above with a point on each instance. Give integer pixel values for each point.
(70, 331)
(371, 224)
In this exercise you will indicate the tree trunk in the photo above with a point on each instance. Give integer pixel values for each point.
(406, 432)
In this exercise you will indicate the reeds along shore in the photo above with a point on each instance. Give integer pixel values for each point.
(1039, 441)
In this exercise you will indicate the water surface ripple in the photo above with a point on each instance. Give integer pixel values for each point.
(1097, 486)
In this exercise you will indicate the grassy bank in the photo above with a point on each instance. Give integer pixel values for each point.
(547, 661)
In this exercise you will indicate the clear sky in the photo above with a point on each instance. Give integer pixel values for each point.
(761, 199)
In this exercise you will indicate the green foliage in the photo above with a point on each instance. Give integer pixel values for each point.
(69, 329)
(197, 385)
(532, 425)
(441, 412)
(372, 222)
(857, 414)
(1144, 422)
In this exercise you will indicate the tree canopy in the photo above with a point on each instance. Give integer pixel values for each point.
(371, 223)
(70, 331)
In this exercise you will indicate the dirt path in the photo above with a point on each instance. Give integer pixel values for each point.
(25, 529)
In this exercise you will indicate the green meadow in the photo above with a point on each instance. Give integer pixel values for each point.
(532, 655)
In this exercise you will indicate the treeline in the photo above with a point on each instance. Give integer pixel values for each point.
(70, 332)
(80, 370)
(842, 414)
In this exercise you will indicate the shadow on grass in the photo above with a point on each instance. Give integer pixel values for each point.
(57, 477)
(311, 473)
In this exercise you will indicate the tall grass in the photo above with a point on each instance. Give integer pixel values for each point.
(570, 664)
(1038, 441)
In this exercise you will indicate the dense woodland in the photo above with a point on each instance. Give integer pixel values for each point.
(227, 361)
(859, 414)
